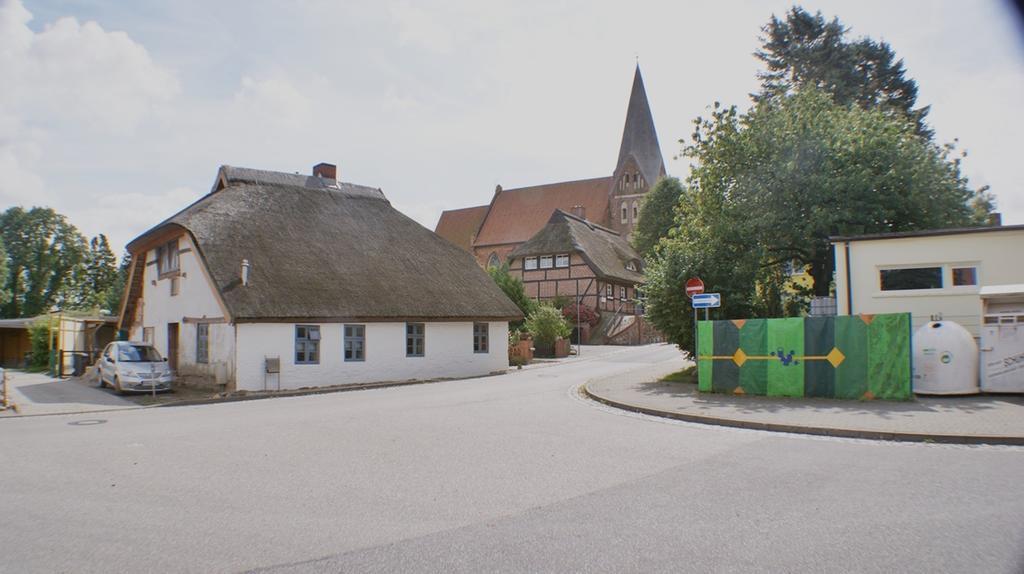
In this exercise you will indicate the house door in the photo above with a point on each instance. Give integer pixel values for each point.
(172, 346)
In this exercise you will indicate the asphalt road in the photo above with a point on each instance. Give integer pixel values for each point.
(509, 473)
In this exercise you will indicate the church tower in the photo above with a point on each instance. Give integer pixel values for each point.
(640, 163)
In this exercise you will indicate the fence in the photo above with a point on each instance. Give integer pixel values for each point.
(845, 357)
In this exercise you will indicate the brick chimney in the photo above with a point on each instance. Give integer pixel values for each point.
(579, 211)
(326, 171)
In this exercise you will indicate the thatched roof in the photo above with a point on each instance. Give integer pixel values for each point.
(325, 250)
(604, 250)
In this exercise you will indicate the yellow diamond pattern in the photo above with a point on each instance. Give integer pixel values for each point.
(739, 357)
(835, 356)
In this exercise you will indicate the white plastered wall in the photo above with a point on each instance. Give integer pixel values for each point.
(196, 299)
(996, 255)
(449, 354)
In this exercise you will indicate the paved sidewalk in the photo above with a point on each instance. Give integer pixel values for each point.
(989, 419)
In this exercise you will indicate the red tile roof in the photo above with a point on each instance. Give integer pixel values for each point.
(517, 214)
(460, 225)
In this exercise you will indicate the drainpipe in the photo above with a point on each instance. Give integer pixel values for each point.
(849, 285)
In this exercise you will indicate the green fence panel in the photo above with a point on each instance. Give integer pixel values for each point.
(786, 345)
(754, 341)
(889, 356)
(726, 373)
(846, 357)
(852, 372)
(705, 348)
(819, 340)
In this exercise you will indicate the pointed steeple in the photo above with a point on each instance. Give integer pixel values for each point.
(639, 139)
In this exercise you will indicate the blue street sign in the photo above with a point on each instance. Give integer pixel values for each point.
(706, 300)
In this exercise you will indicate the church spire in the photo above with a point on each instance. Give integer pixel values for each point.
(639, 139)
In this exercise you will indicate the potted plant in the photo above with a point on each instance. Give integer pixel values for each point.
(547, 326)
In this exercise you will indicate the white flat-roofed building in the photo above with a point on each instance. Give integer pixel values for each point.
(927, 273)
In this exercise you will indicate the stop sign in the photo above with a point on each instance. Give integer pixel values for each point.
(694, 286)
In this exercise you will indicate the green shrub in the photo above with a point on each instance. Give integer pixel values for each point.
(38, 335)
(547, 324)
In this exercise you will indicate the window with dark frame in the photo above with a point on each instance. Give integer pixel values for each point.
(910, 278)
(547, 261)
(203, 343)
(562, 260)
(964, 276)
(622, 293)
(625, 212)
(530, 263)
(355, 342)
(480, 336)
(307, 344)
(415, 339)
(167, 257)
(609, 291)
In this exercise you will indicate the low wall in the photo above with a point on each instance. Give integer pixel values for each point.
(845, 357)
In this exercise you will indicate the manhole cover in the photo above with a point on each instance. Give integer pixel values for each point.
(87, 422)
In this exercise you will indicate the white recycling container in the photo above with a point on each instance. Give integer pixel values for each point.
(945, 360)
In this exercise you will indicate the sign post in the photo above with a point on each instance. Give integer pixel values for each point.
(694, 286)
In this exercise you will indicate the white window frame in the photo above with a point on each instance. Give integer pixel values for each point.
(547, 261)
(562, 260)
(529, 263)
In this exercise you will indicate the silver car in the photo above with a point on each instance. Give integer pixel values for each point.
(133, 367)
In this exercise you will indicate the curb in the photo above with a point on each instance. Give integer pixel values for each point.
(895, 436)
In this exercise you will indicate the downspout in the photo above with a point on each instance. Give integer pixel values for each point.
(849, 285)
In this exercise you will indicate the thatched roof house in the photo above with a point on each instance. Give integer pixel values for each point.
(288, 248)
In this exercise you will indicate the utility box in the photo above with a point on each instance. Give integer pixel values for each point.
(1002, 339)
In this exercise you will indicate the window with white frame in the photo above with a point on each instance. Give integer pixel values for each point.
(622, 293)
(964, 276)
(307, 345)
(547, 261)
(562, 260)
(355, 343)
(530, 263)
(481, 332)
(910, 278)
(609, 291)
(415, 339)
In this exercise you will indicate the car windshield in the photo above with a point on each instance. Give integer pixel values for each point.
(137, 354)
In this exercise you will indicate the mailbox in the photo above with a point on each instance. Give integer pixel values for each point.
(273, 364)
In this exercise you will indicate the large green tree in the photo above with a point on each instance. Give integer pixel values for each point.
(806, 50)
(43, 250)
(771, 186)
(657, 214)
(5, 292)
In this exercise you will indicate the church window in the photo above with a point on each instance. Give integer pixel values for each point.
(493, 261)
(636, 211)
(530, 263)
(625, 212)
(546, 262)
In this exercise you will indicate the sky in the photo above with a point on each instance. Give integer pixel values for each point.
(118, 114)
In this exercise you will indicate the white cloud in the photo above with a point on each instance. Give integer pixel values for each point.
(69, 75)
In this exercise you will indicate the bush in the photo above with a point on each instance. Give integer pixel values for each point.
(38, 335)
(587, 316)
(514, 290)
(547, 324)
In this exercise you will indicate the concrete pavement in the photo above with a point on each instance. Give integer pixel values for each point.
(980, 419)
(514, 473)
(39, 393)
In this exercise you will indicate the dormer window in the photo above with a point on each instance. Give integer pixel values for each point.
(632, 266)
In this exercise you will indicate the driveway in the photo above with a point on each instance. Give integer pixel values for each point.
(39, 394)
(512, 473)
